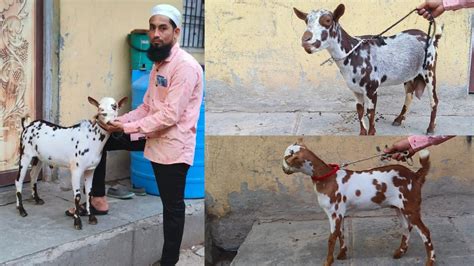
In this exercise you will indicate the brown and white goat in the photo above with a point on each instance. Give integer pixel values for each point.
(339, 190)
(375, 62)
(78, 148)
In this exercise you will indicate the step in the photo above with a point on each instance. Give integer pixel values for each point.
(131, 234)
(371, 240)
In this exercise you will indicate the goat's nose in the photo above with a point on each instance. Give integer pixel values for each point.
(307, 36)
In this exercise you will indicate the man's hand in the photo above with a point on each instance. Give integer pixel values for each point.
(398, 148)
(112, 126)
(434, 6)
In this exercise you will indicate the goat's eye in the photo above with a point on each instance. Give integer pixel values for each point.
(114, 107)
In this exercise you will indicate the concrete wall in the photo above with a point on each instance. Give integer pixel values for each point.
(257, 54)
(243, 174)
(94, 57)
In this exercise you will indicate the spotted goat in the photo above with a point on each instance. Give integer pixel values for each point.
(78, 148)
(341, 190)
(367, 63)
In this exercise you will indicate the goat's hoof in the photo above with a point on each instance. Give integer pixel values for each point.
(77, 224)
(371, 132)
(342, 256)
(363, 133)
(39, 201)
(92, 219)
(430, 263)
(398, 254)
(396, 123)
(430, 131)
(328, 263)
(22, 211)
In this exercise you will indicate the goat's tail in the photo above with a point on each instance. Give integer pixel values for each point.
(24, 121)
(425, 165)
(438, 32)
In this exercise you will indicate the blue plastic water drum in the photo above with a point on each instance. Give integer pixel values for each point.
(140, 169)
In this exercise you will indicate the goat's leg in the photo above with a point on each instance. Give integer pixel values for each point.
(76, 188)
(425, 236)
(342, 246)
(24, 162)
(409, 89)
(88, 176)
(360, 112)
(431, 86)
(372, 103)
(35, 170)
(335, 224)
(399, 252)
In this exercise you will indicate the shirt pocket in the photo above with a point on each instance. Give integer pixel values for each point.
(162, 84)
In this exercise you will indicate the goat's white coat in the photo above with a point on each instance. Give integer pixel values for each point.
(78, 148)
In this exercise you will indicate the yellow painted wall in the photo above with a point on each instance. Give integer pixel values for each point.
(258, 43)
(251, 166)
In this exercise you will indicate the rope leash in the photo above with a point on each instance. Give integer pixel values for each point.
(431, 19)
(383, 156)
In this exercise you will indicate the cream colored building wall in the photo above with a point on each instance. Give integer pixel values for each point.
(243, 173)
(258, 43)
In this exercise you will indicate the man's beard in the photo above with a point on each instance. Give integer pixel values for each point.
(158, 54)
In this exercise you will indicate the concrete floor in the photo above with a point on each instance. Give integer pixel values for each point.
(371, 236)
(330, 111)
(131, 234)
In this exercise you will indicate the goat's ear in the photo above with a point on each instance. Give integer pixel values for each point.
(122, 102)
(339, 11)
(93, 101)
(300, 14)
(291, 159)
(300, 141)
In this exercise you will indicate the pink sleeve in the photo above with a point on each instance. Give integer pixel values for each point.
(140, 112)
(419, 142)
(457, 4)
(179, 93)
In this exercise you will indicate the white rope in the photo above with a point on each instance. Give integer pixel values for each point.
(344, 57)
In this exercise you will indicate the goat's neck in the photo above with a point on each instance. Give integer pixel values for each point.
(95, 125)
(340, 49)
(319, 166)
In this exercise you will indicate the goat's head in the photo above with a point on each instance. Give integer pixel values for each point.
(107, 108)
(318, 27)
(296, 159)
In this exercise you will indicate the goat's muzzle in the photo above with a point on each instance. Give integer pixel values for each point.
(286, 168)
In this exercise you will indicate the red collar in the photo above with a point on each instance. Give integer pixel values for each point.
(335, 168)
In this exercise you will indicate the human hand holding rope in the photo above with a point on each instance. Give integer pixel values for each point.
(400, 150)
(431, 9)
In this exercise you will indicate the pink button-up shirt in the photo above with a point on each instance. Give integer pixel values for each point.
(420, 142)
(457, 4)
(170, 110)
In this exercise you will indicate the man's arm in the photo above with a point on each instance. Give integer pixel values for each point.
(457, 4)
(182, 86)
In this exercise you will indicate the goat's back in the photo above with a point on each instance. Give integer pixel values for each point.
(62, 146)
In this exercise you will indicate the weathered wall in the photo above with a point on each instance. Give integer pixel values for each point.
(258, 53)
(244, 174)
(94, 57)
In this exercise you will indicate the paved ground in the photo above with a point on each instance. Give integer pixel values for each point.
(372, 237)
(331, 112)
(131, 234)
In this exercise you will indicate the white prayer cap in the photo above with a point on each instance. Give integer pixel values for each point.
(168, 11)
